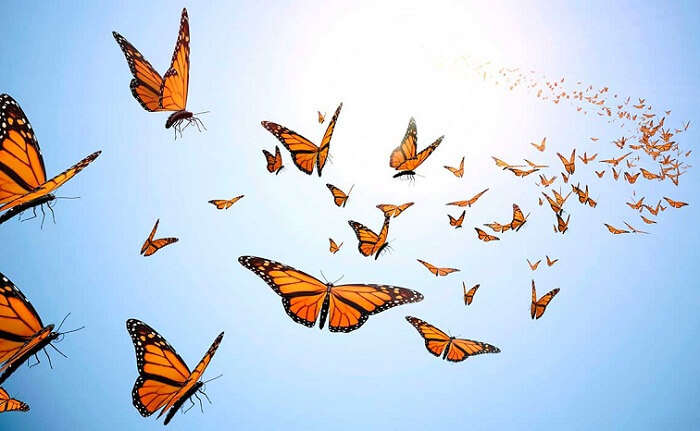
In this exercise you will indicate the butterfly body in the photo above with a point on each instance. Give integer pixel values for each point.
(177, 118)
(38, 202)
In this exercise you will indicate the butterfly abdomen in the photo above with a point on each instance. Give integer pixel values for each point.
(177, 117)
(181, 401)
(16, 362)
(25, 206)
(409, 173)
(325, 307)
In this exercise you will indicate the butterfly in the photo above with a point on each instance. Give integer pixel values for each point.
(484, 236)
(541, 146)
(23, 183)
(646, 220)
(165, 382)
(562, 226)
(551, 262)
(390, 210)
(321, 117)
(600, 173)
(22, 334)
(535, 165)
(545, 182)
(305, 154)
(333, 246)
(468, 202)
(538, 307)
(594, 139)
(522, 173)
(633, 229)
(615, 231)
(458, 172)
(497, 227)
(306, 299)
(169, 92)
(225, 204)
(8, 404)
(570, 164)
(533, 266)
(404, 157)
(457, 222)
(631, 178)
(274, 163)
(339, 197)
(583, 196)
(437, 271)
(616, 174)
(469, 295)
(451, 348)
(635, 205)
(649, 175)
(675, 204)
(615, 162)
(555, 205)
(565, 177)
(501, 164)
(585, 159)
(151, 246)
(369, 242)
(518, 218)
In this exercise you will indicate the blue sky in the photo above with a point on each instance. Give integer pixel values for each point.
(616, 348)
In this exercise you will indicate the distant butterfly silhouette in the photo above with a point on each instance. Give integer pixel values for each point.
(437, 271)
(538, 307)
(165, 382)
(371, 244)
(305, 154)
(321, 117)
(306, 299)
(23, 183)
(541, 146)
(339, 196)
(518, 218)
(458, 172)
(533, 266)
(167, 93)
(468, 202)
(615, 231)
(484, 236)
(390, 210)
(151, 245)
(457, 222)
(333, 246)
(405, 157)
(562, 226)
(451, 348)
(225, 204)
(469, 295)
(8, 404)
(675, 204)
(274, 163)
(569, 164)
(551, 262)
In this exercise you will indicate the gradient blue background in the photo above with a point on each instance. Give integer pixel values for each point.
(618, 347)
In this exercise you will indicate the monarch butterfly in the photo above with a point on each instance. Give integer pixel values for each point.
(551, 262)
(675, 204)
(8, 404)
(458, 172)
(468, 202)
(484, 236)
(617, 161)
(497, 227)
(339, 197)
(633, 229)
(631, 165)
(333, 246)
(600, 173)
(541, 146)
(457, 222)
(615, 231)
(538, 307)
(165, 382)
(565, 178)
(321, 117)
(393, 210)
(23, 183)
(583, 196)
(437, 271)
(545, 182)
(306, 299)
(369, 242)
(274, 163)
(151, 245)
(631, 178)
(451, 348)
(535, 165)
(501, 164)
(22, 334)
(169, 92)
(522, 173)
(305, 154)
(518, 218)
(646, 220)
(539, 201)
(562, 226)
(404, 157)
(533, 266)
(469, 295)
(569, 164)
(585, 159)
(616, 174)
(225, 204)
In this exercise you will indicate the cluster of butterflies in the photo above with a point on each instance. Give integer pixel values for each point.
(165, 382)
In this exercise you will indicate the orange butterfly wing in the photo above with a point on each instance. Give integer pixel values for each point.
(274, 163)
(404, 157)
(452, 349)
(8, 404)
(339, 196)
(151, 246)
(538, 307)
(325, 146)
(469, 295)
(333, 246)
(484, 236)
(435, 340)
(457, 222)
(518, 218)
(393, 210)
(173, 91)
(146, 84)
(369, 242)
(225, 204)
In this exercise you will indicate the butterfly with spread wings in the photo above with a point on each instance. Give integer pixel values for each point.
(541, 146)
(675, 204)
(321, 117)
(437, 271)
(8, 404)
(518, 218)
(306, 299)
(22, 334)
(469, 294)
(23, 183)
(274, 163)
(484, 236)
(305, 154)
(340, 198)
(151, 245)
(551, 262)
(615, 231)
(458, 172)
(538, 306)
(333, 247)
(165, 382)
(570, 163)
(371, 244)
(390, 210)
(225, 204)
(533, 266)
(451, 348)
(468, 202)
(169, 92)
(405, 157)
(457, 222)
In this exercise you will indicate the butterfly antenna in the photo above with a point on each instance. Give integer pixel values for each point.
(351, 187)
(188, 408)
(200, 113)
(56, 349)
(205, 396)
(53, 215)
(212, 379)
(324, 277)
(341, 277)
(62, 321)
(47, 357)
(201, 407)
(66, 197)
(43, 216)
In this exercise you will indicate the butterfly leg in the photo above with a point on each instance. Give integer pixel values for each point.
(53, 215)
(205, 396)
(188, 408)
(48, 357)
(36, 363)
(201, 407)
(43, 216)
(32, 217)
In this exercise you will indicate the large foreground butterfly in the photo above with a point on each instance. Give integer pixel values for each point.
(165, 382)
(404, 158)
(538, 306)
(22, 335)
(151, 245)
(8, 404)
(167, 93)
(305, 298)
(451, 348)
(369, 242)
(23, 183)
(305, 154)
